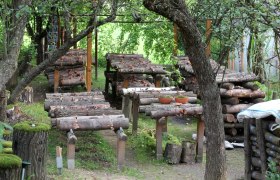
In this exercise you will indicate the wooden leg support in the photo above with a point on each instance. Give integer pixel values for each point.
(199, 141)
(56, 81)
(71, 141)
(160, 123)
(121, 139)
(135, 115)
(247, 149)
(125, 110)
(262, 148)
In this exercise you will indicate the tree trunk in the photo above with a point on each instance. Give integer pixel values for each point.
(10, 174)
(32, 147)
(3, 105)
(177, 12)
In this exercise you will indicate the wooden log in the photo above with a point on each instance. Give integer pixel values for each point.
(76, 52)
(250, 85)
(272, 153)
(231, 131)
(71, 141)
(31, 146)
(273, 147)
(172, 153)
(11, 171)
(272, 139)
(183, 111)
(173, 106)
(228, 109)
(256, 151)
(84, 112)
(262, 148)
(156, 94)
(71, 81)
(114, 56)
(233, 125)
(121, 139)
(236, 77)
(188, 152)
(140, 70)
(48, 104)
(74, 98)
(82, 108)
(52, 95)
(257, 175)
(255, 101)
(228, 86)
(256, 162)
(229, 118)
(230, 101)
(71, 60)
(147, 101)
(91, 122)
(242, 93)
(141, 89)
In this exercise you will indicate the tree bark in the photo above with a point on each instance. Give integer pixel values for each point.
(177, 12)
(3, 105)
(10, 174)
(32, 147)
(57, 53)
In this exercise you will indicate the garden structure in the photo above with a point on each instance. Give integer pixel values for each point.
(145, 100)
(128, 70)
(237, 89)
(85, 111)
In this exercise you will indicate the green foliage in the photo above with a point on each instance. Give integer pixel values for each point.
(268, 91)
(7, 150)
(7, 144)
(272, 173)
(8, 161)
(31, 126)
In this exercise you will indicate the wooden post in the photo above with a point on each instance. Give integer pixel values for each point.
(58, 31)
(96, 52)
(125, 109)
(59, 164)
(247, 149)
(242, 54)
(157, 80)
(199, 140)
(208, 33)
(121, 139)
(89, 62)
(261, 146)
(75, 30)
(175, 31)
(135, 114)
(56, 81)
(71, 149)
(160, 123)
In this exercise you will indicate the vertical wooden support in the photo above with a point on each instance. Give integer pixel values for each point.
(125, 83)
(96, 53)
(242, 54)
(159, 126)
(135, 113)
(175, 31)
(157, 79)
(56, 81)
(247, 149)
(89, 62)
(71, 141)
(58, 31)
(75, 30)
(199, 140)
(121, 139)
(130, 109)
(62, 37)
(125, 101)
(208, 33)
(261, 145)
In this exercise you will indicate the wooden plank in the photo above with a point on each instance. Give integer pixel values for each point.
(261, 146)
(89, 62)
(247, 149)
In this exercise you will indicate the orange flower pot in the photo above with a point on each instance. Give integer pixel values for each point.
(165, 100)
(182, 100)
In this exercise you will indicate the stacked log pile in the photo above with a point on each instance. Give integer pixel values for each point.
(71, 68)
(237, 89)
(261, 146)
(129, 70)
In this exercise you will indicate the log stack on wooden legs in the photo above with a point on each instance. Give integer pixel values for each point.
(30, 144)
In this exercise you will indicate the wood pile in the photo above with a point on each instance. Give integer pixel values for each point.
(237, 89)
(71, 68)
(261, 146)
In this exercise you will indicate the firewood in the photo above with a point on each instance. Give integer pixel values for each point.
(229, 118)
(183, 111)
(146, 101)
(257, 175)
(112, 56)
(188, 152)
(231, 131)
(91, 122)
(233, 125)
(272, 153)
(273, 147)
(250, 85)
(256, 162)
(235, 108)
(227, 86)
(242, 93)
(172, 153)
(141, 89)
(54, 95)
(272, 139)
(237, 139)
(154, 107)
(230, 101)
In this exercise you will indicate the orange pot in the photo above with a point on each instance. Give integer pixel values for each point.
(182, 100)
(165, 100)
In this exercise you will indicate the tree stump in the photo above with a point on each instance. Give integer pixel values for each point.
(27, 95)
(172, 153)
(30, 143)
(10, 167)
(188, 152)
(3, 105)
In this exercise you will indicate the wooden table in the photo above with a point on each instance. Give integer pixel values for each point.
(125, 65)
